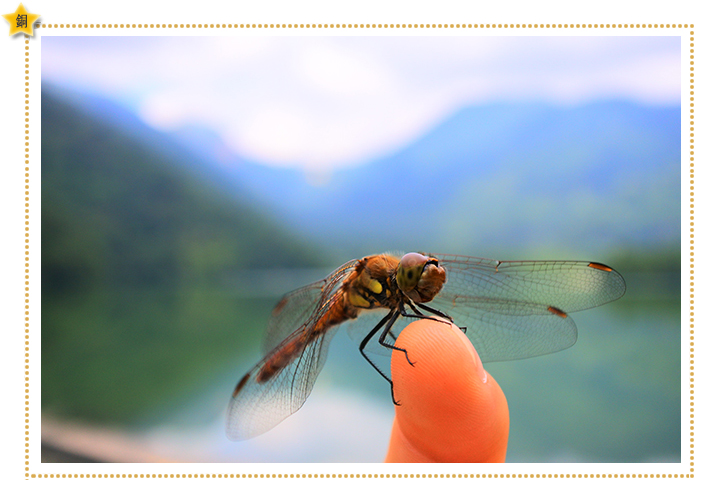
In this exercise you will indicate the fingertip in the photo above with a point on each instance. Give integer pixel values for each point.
(451, 409)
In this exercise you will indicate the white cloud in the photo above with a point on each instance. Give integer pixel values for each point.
(323, 102)
(338, 71)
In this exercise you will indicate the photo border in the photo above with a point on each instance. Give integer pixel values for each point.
(33, 468)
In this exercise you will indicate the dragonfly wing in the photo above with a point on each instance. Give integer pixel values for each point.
(518, 309)
(291, 313)
(257, 406)
(502, 329)
(566, 285)
(499, 329)
(295, 309)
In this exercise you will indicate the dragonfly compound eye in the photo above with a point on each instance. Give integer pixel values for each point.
(410, 270)
(420, 277)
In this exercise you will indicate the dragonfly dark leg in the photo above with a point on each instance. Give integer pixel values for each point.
(421, 316)
(382, 341)
(417, 313)
(391, 316)
(387, 322)
(434, 311)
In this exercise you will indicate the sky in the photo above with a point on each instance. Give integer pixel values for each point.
(322, 103)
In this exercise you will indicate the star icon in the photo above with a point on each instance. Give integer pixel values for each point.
(21, 21)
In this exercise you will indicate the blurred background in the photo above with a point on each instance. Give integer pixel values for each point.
(187, 183)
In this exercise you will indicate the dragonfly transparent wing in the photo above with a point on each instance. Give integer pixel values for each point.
(518, 309)
(258, 404)
(256, 407)
(508, 330)
(295, 309)
(568, 285)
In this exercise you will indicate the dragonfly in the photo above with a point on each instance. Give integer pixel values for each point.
(509, 310)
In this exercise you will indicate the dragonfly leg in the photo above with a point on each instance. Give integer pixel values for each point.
(387, 322)
(417, 313)
(435, 311)
(441, 314)
(386, 331)
(394, 401)
(420, 315)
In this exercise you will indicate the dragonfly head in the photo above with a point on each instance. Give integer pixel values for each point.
(420, 277)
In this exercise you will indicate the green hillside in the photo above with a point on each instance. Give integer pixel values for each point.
(136, 254)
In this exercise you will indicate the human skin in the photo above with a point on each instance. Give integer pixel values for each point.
(450, 409)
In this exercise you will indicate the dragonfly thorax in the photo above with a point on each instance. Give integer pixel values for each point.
(372, 283)
(386, 281)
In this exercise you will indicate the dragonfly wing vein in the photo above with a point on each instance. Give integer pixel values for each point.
(297, 308)
(258, 406)
(567, 285)
(502, 329)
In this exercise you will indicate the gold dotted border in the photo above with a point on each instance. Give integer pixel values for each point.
(27, 254)
(362, 476)
(692, 251)
(364, 26)
(327, 476)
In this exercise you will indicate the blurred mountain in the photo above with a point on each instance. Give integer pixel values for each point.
(110, 182)
(593, 178)
(137, 259)
(525, 180)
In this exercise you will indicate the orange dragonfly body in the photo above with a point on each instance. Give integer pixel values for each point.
(514, 309)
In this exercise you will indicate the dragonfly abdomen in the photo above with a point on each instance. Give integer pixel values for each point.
(290, 349)
(281, 358)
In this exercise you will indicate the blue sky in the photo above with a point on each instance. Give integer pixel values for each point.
(325, 102)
